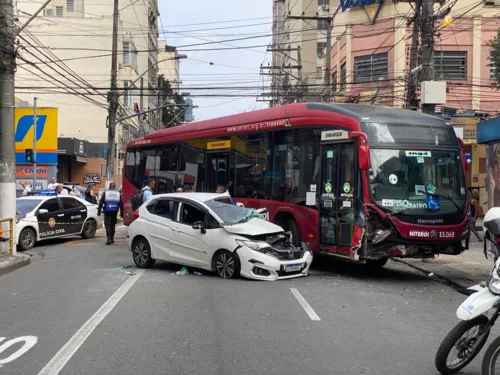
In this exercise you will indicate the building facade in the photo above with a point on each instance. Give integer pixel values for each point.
(371, 53)
(71, 43)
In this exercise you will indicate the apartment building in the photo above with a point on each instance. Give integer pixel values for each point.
(297, 43)
(75, 38)
(168, 65)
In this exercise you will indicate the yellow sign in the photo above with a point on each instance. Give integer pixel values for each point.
(219, 145)
(46, 134)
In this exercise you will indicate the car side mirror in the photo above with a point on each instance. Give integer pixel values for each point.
(198, 225)
(43, 211)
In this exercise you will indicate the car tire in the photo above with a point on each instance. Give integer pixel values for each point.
(226, 264)
(141, 253)
(376, 263)
(290, 225)
(89, 229)
(27, 239)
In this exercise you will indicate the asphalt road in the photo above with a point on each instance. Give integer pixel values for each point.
(78, 311)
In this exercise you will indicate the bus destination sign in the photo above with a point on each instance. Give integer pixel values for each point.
(334, 135)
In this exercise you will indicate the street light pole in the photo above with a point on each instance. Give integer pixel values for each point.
(113, 99)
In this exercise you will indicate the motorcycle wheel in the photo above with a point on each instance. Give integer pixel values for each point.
(490, 357)
(466, 347)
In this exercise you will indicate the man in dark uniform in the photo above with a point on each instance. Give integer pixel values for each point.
(112, 202)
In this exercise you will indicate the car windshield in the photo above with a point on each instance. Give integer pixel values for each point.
(400, 179)
(229, 213)
(26, 205)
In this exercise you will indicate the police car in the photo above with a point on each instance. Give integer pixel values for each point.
(45, 216)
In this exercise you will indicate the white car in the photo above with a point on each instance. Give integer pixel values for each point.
(44, 217)
(206, 231)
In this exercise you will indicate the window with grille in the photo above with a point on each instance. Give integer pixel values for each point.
(70, 5)
(129, 55)
(450, 65)
(371, 68)
(59, 11)
(334, 81)
(319, 72)
(493, 67)
(49, 13)
(320, 48)
(343, 76)
(323, 2)
(322, 24)
(128, 95)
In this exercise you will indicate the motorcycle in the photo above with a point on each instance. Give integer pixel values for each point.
(468, 337)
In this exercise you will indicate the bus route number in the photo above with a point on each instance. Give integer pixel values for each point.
(264, 215)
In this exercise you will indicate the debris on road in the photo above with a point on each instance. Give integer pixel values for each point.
(431, 274)
(130, 273)
(197, 273)
(183, 271)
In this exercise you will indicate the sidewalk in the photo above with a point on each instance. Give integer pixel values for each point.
(11, 263)
(464, 270)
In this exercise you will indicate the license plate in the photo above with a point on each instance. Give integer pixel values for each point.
(293, 267)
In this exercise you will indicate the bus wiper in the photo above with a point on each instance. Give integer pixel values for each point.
(448, 197)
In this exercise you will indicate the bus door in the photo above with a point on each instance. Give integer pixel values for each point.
(217, 170)
(336, 197)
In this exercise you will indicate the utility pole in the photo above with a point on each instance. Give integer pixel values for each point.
(411, 94)
(7, 106)
(113, 99)
(329, 20)
(35, 118)
(427, 25)
(300, 87)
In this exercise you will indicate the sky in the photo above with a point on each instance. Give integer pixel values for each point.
(184, 23)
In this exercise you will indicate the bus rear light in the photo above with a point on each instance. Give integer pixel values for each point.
(136, 215)
(310, 235)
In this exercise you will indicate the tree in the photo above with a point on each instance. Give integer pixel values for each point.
(171, 115)
(494, 44)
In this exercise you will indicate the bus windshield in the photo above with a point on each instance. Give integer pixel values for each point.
(400, 178)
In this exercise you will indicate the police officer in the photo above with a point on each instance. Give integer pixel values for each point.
(112, 202)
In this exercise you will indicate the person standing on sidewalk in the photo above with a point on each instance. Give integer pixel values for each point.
(474, 212)
(112, 203)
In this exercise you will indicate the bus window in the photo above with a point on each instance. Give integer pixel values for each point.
(130, 166)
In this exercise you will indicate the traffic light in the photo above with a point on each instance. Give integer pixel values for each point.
(30, 158)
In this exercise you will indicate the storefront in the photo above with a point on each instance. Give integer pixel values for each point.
(488, 133)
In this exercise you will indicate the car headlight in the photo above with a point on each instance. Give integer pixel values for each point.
(254, 245)
(494, 281)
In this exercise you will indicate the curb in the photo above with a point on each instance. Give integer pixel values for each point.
(443, 279)
(21, 261)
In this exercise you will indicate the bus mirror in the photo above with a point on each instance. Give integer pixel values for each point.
(364, 157)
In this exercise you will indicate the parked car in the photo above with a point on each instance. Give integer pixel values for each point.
(43, 217)
(207, 231)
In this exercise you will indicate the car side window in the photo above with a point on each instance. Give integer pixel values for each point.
(71, 203)
(50, 205)
(163, 208)
(191, 214)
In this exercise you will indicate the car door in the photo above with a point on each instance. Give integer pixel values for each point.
(75, 214)
(50, 222)
(159, 228)
(192, 245)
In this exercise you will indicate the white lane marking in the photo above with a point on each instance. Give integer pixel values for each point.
(28, 343)
(62, 357)
(309, 310)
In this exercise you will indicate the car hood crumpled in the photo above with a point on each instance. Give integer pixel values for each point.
(254, 227)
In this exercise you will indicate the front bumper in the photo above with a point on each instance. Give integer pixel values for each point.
(259, 266)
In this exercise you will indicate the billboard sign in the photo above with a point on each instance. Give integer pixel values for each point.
(26, 171)
(46, 134)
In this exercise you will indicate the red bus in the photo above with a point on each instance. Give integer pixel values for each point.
(357, 181)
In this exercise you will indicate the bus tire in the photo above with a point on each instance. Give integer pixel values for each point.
(290, 225)
(376, 263)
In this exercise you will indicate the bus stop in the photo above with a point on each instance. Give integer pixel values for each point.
(488, 133)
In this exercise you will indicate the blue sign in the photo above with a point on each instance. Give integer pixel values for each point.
(433, 203)
(346, 4)
(24, 125)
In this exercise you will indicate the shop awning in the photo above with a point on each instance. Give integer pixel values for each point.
(489, 131)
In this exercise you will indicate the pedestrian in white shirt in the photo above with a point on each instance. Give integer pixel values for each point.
(53, 184)
(26, 188)
(61, 190)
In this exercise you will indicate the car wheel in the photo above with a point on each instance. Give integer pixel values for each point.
(89, 229)
(227, 264)
(27, 239)
(141, 252)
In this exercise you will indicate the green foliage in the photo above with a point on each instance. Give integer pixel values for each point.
(170, 116)
(494, 44)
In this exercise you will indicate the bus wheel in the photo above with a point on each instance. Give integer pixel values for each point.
(290, 225)
(376, 263)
